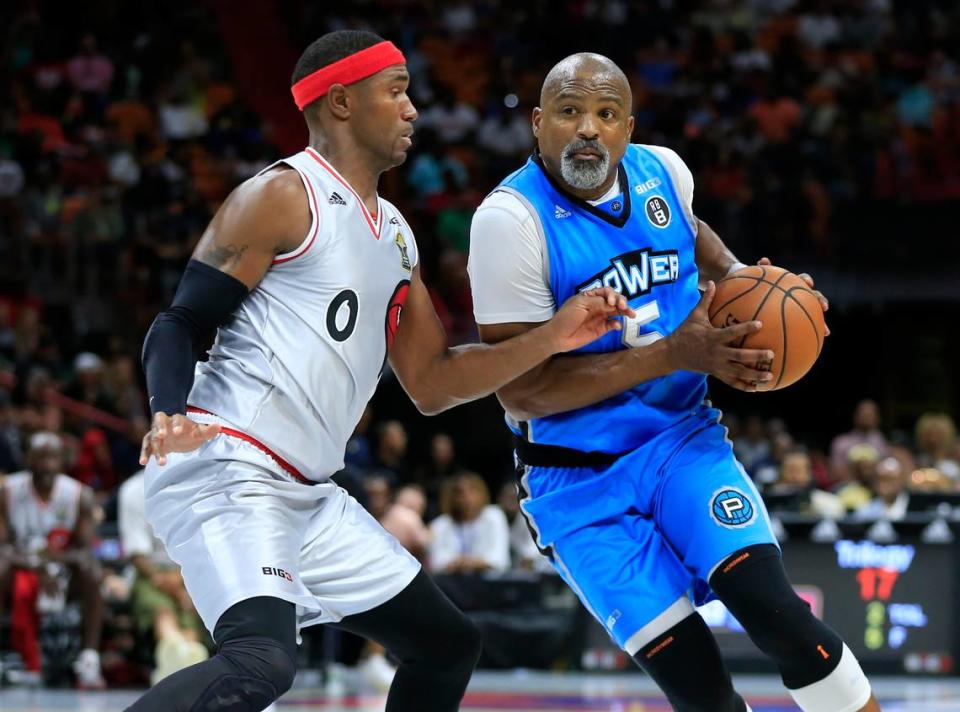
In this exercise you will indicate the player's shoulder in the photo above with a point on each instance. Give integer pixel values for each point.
(506, 201)
(279, 187)
(664, 153)
(270, 209)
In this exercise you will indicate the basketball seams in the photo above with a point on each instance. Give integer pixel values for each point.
(796, 301)
(783, 330)
(764, 300)
(756, 283)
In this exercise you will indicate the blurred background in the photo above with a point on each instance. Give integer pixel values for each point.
(823, 134)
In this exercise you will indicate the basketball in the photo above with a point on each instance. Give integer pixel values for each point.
(793, 325)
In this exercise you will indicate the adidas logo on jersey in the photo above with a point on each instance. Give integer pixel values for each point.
(560, 213)
(335, 199)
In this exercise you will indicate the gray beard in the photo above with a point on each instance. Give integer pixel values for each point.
(584, 175)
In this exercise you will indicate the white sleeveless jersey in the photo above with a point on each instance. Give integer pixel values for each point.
(32, 520)
(296, 364)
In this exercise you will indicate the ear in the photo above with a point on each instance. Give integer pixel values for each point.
(537, 115)
(338, 99)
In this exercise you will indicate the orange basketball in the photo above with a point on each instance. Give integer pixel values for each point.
(793, 326)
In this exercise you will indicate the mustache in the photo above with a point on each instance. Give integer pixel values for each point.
(581, 144)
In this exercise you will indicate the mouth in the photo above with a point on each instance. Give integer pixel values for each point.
(585, 154)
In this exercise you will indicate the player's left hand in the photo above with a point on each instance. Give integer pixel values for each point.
(824, 304)
(586, 317)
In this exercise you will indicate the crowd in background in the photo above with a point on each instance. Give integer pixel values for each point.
(816, 129)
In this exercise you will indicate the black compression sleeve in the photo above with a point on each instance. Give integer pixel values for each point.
(205, 299)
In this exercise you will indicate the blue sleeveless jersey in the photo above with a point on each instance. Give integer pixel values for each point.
(642, 245)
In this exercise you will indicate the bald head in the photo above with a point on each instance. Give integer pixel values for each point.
(586, 67)
(583, 123)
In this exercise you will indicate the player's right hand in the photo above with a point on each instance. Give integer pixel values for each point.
(697, 345)
(174, 433)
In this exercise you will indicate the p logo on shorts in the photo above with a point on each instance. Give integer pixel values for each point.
(731, 508)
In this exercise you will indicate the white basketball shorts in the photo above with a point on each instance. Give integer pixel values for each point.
(240, 526)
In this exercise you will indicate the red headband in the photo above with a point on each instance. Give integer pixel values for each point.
(348, 70)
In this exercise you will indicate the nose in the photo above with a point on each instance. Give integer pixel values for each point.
(587, 127)
(410, 112)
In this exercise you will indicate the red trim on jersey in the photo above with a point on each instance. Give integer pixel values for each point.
(371, 221)
(350, 69)
(231, 432)
(315, 210)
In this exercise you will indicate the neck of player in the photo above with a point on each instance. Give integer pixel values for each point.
(354, 164)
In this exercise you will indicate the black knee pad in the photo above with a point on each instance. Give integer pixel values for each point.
(753, 585)
(260, 671)
(685, 663)
(256, 639)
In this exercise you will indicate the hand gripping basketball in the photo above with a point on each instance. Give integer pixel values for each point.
(791, 312)
(700, 347)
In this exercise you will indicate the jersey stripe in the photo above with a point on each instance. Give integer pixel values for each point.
(315, 210)
(233, 433)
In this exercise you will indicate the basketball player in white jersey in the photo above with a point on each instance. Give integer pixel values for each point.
(46, 530)
(305, 273)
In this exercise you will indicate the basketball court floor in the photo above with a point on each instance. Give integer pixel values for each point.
(515, 692)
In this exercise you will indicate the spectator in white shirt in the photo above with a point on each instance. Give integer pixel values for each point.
(523, 549)
(471, 535)
(158, 598)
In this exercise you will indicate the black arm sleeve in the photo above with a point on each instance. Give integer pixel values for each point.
(205, 299)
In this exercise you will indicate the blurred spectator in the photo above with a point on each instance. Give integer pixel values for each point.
(88, 386)
(402, 515)
(454, 121)
(471, 535)
(90, 70)
(855, 491)
(524, 553)
(890, 497)
(47, 529)
(9, 436)
(776, 115)
(795, 487)
(160, 604)
(929, 479)
(752, 446)
(936, 437)
(866, 431)
(403, 518)
(358, 453)
(507, 134)
(767, 470)
(391, 456)
(441, 462)
(432, 172)
(181, 118)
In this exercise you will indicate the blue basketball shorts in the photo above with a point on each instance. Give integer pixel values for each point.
(637, 540)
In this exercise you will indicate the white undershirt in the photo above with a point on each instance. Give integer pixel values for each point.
(508, 264)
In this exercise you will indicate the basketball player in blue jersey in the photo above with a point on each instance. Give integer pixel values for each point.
(312, 282)
(626, 477)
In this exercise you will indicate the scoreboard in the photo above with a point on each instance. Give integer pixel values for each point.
(893, 604)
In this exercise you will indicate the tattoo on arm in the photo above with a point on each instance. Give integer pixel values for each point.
(222, 256)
